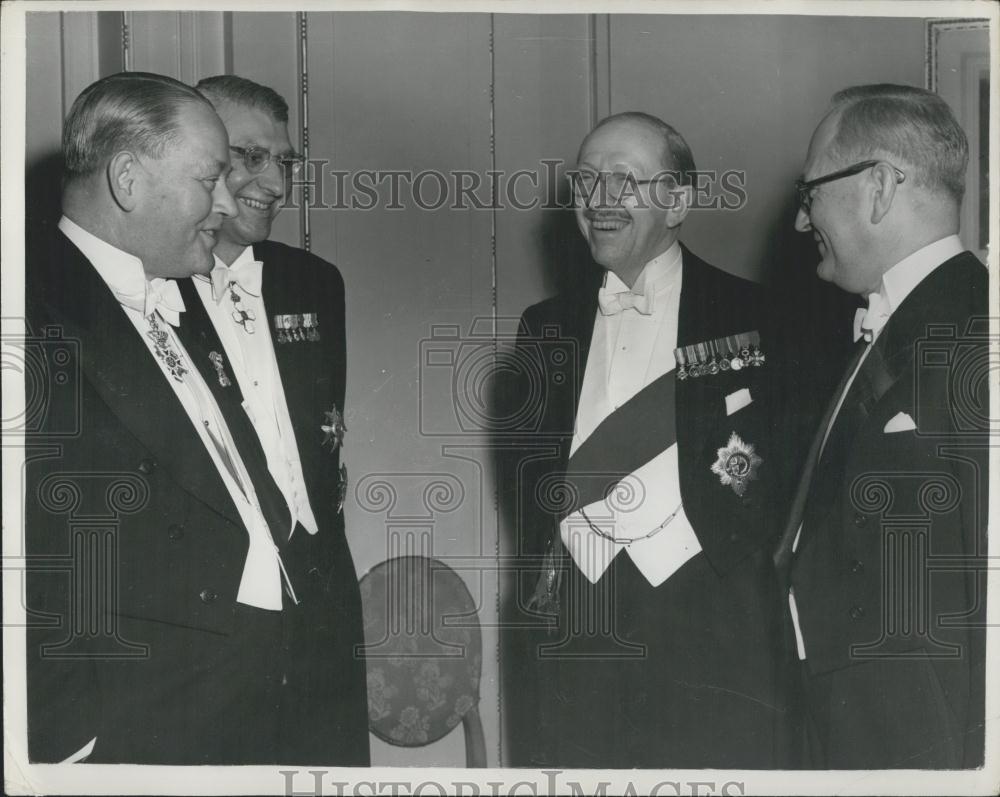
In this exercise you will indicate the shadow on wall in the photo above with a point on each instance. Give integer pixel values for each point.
(42, 197)
(568, 264)
(813, 318)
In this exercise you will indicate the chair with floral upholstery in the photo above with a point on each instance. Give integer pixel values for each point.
(424, 653)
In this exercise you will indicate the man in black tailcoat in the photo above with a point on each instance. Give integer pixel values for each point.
(884, 556)
(290, 363)
(167, 583)
(647, 492)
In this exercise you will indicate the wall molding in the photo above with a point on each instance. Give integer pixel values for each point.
(935, 27)
(302, 20)
(599, 31)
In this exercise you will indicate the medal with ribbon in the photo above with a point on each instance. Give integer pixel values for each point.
(296, 327)
(710, 357)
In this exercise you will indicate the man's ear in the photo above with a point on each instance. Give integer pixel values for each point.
(124, 180)
(886, 183)
(679, 199)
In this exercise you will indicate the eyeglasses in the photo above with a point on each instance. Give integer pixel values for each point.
(805, 187)
(256, 159)
(585, 183)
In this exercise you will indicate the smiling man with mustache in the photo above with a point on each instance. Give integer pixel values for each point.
(645, 537)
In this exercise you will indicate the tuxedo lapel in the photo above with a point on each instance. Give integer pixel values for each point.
(306, 372)
(699, 404)
(580, 326)
(128, 379)
(890, 360)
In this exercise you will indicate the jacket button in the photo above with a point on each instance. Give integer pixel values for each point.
(860, 520)
(174, 531)
(856, 612)
(147, 466)
(857, 566)
(207, 596)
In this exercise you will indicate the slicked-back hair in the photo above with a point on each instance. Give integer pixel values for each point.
(240, 91)
(676, 158)
(907, 124)
(134, 111)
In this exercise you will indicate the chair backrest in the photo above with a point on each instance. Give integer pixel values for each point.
(424, 654)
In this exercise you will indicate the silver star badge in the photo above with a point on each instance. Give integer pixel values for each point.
(334, 429)
(737, 464)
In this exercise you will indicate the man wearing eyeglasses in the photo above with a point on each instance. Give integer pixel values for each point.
(647, 535)
(883, 556)
(274, 316)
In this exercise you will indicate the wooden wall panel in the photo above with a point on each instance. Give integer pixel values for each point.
(45, 94)
(185, 45)
(264, 48)
(410, 92)
(539, 120)
(746, 92)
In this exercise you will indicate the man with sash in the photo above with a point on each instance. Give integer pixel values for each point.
(646, 493)
(883, 559)
(275, 316)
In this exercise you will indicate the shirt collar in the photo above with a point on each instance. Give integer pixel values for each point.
(658, 274)
(246, 256)
(902, 278)
(122, 272)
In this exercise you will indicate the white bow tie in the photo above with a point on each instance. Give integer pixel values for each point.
(614, 303)
(868, 321)
(163, 298)
(246, 274)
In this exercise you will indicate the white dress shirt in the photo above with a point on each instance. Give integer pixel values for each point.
(629, 351)
(261, 584)
(252, 360)
(897, 283)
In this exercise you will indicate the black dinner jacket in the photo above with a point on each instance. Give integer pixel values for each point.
(566, 714)
(713, 304)
(110, 444)
(313, 375)
(897, 521)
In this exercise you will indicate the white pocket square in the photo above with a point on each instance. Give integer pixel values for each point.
(900, 422)
(737, 401)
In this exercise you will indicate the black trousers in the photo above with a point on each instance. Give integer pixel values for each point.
(218, 705)
(688, 674)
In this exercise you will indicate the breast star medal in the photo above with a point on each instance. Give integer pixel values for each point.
(737, 464)
(334, 429)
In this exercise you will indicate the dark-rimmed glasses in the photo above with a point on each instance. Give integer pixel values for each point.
(256, 159)
(585, 183)
(804, 187)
